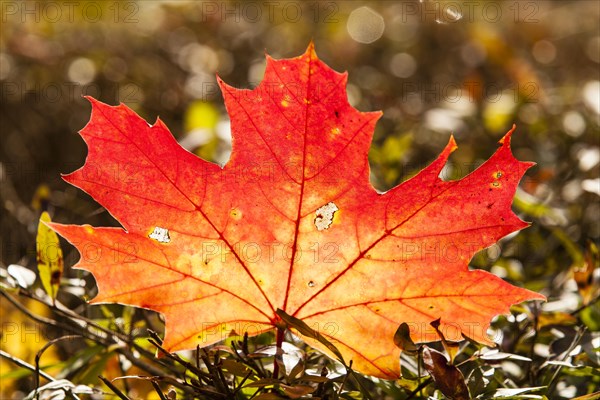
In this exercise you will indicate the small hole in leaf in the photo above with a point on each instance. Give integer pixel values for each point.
(311, 284)
(235, 214)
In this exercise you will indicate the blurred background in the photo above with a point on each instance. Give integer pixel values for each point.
(470, 68)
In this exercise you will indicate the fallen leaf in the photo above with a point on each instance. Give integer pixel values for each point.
(292, 222)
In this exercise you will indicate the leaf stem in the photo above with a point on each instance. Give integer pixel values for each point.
(279, 343)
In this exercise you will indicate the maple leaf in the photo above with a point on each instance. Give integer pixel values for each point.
(292, 222)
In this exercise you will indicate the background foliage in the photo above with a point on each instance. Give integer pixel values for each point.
(434, 68)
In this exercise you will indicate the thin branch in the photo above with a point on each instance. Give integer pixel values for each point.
(25, 365)
(584, 306)
(24, 310)
(198, 372)
(578, 336)
(105, 341)
(158, 390)
(112, 387)
(536, 318)
(39, 355)
(421, 386)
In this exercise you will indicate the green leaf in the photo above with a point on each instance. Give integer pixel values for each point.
(49, 256)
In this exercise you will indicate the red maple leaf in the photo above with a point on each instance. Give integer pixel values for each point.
(292, 222)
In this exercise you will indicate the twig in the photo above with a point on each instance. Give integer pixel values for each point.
(112, 387)
(63, 310)
(348, 372)
(39, 355)
(25, 365)
(421, 386)
(24, 310)
(222, 387)
(248, 361)
(197, 371)
(536, 317)
(576, 340)
(158, 390)
(105, 341)
(241, 384)
(584, 306)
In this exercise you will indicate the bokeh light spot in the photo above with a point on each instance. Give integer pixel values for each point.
(365, 25)
(82, 71)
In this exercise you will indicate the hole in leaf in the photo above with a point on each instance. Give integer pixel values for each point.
(161, 235)
(324, 216)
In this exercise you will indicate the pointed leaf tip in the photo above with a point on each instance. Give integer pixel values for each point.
(506, 138)
(310, 50)
(451, 146)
